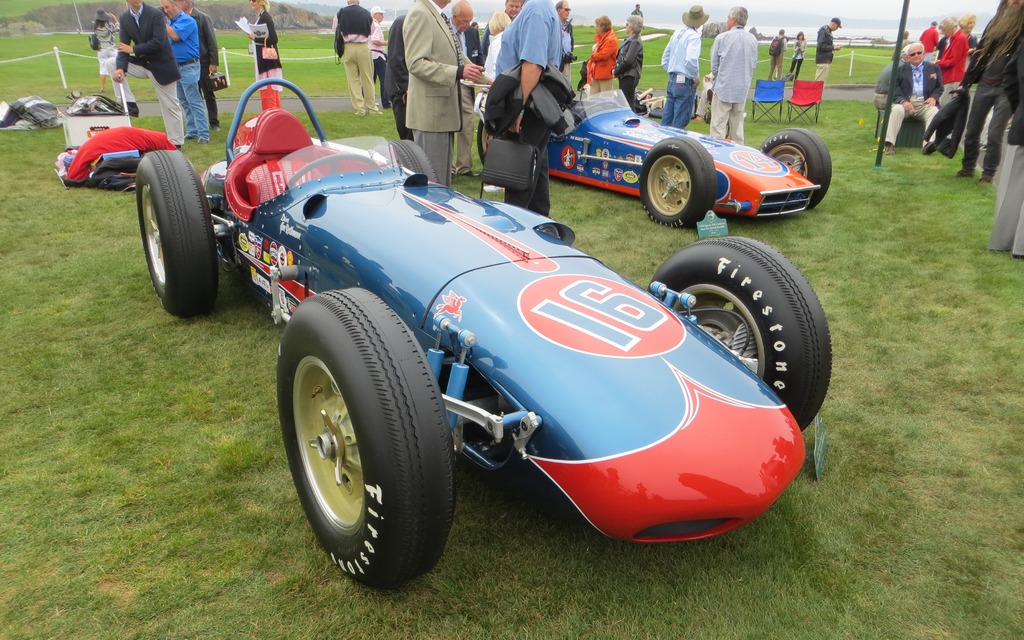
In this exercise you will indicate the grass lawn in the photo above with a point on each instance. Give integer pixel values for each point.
(144, 491)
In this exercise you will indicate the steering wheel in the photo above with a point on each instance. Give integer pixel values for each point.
(337, 157)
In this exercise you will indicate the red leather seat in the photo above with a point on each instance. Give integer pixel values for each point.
(257, 174)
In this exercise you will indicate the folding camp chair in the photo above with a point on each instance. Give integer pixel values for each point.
(767, 101)
(806, 96)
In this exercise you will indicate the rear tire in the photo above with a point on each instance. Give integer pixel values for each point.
(177, 233)
(757, 303)
(367, 437)
(678, 182)
(413, 158)
(806, 153)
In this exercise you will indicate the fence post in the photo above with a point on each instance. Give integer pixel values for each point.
(851, 62)
(227, 72)
(60, 68)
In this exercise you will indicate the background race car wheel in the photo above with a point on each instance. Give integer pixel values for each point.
(413, 158)
(678, 182)
(804, 152)
(483, 136)
(177, 233)
(367, 438)
(758, 304)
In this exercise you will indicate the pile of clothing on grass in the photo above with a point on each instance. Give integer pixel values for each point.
(110, 158)
(29, 113)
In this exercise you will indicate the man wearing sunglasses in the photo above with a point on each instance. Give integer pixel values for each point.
(918, 87)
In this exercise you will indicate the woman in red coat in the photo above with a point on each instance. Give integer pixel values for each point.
(602, 60)
(953, 61)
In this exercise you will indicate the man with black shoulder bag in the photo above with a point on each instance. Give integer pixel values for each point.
(529, 105)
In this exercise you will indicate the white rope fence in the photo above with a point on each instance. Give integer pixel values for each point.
(224, 53)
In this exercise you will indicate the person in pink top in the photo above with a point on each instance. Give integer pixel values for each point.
(953, 61)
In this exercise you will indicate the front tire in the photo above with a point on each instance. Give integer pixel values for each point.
(177, 233)
(806, 153)
(761, 307)
(678, 182)
(366, 436)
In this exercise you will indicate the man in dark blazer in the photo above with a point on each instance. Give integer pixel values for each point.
(436, 66)
(145, 52)
(468, 39)
(918, 88)
(396, 77)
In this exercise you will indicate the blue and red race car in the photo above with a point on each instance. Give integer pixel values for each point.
(422, 323)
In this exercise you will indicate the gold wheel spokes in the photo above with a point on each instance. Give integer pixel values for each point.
(672, 184)
(331, 461)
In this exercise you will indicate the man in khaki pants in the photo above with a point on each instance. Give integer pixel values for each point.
(918, 87)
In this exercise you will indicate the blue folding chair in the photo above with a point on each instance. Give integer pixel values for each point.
(767, 101)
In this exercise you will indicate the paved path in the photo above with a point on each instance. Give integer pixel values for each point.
(341, 103)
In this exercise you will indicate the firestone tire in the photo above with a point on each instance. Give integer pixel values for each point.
(804, 152)
(678, 182)
(177, 233)
(761, 307)
(414, 158)
(367, 438)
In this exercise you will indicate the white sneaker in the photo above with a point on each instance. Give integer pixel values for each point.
(490, 188)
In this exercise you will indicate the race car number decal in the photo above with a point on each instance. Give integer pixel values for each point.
(756, 162)
(599, 316)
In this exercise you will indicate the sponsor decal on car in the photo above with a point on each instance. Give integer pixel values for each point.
(568, 157)
(451, 304)
(631, 177)
(258, 279)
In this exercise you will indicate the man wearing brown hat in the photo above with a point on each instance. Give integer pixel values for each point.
(680, 61)
(824, 55)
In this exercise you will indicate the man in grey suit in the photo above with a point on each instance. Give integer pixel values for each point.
(435, 68)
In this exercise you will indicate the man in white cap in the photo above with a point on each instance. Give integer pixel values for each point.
(681, 61)
(356, 23)
(378, 53)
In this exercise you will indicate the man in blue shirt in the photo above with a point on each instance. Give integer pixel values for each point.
(918, 87)
(535, 39)
(680, 61)
(145, 52)
(733, 58)
(183, 32)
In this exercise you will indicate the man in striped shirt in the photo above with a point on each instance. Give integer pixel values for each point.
(733, 58)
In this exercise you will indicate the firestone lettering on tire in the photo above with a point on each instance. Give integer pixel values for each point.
(779, 345)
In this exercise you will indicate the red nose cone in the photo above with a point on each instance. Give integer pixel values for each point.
(725, 465)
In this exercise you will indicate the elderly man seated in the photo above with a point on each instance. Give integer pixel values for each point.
(918, 87)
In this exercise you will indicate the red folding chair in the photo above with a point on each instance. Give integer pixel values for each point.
(806, 96)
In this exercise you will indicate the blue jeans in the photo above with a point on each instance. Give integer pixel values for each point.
(679, 104)
(192, 103)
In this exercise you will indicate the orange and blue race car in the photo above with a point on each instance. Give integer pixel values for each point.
(681, 175)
